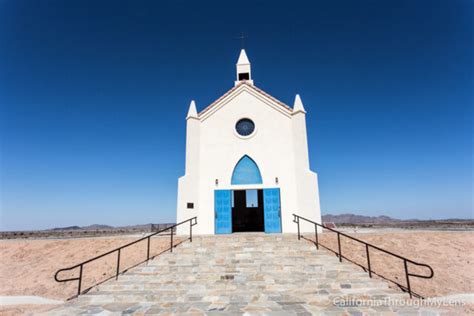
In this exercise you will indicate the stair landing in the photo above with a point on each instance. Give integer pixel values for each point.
(247, 273)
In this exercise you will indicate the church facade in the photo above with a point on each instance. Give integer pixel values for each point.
(247, 163)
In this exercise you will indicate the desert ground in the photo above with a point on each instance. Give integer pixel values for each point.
(27, 266)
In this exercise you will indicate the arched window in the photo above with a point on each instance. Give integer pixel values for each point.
(246, 172)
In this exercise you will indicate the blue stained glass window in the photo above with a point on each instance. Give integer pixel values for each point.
(245, 127)
(246, 172)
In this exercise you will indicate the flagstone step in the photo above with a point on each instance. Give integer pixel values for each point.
(236, 274)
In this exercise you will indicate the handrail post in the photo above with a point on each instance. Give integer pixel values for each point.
(171, 248)
(118, 265)
(191, 230)
(407, 277)
(339, 246)
(80, 280)
(148, 249)
(368, 259)
(298, 222)
(316, 235)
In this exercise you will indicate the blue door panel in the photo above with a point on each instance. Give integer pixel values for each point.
(271, 210)
(223, 211)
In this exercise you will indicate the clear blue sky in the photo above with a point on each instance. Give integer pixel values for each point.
(94, 94)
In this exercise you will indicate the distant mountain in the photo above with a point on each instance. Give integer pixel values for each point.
(141, 227)
(357, 219)
(138, 227)
(96, 226)
(338, 219)
(90, 227)
(66, 228)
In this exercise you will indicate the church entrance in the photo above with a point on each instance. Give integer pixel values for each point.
(247, 211)
(252, 210)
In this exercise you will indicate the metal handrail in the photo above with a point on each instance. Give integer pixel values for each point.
(192, 221)
(405, 288)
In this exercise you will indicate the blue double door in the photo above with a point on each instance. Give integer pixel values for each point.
(223, 211)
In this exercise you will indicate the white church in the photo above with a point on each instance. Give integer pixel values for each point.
(247, 163)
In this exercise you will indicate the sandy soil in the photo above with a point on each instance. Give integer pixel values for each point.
(27, 267)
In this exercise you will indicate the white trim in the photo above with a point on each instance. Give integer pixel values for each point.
(243, 87)
(247, 186)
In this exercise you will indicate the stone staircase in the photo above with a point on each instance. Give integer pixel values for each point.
(248, 273)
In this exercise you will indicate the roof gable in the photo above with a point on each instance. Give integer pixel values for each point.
(235, 91)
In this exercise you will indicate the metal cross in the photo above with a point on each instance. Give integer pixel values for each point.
(242, 38)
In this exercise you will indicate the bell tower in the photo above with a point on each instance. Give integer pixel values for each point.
(243, 69)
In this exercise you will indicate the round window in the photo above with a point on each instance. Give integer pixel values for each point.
(245, 127)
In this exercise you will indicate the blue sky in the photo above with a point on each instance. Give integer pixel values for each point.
(93, 97)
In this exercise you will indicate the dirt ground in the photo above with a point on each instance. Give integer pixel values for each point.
(27, 267)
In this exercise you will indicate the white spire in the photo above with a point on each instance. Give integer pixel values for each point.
(243, 59)
(298, 105)
(192, 112)
(243, 69)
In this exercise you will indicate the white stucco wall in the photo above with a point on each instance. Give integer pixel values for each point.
(278, 146)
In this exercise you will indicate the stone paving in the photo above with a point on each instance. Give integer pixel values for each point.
(251, 273)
